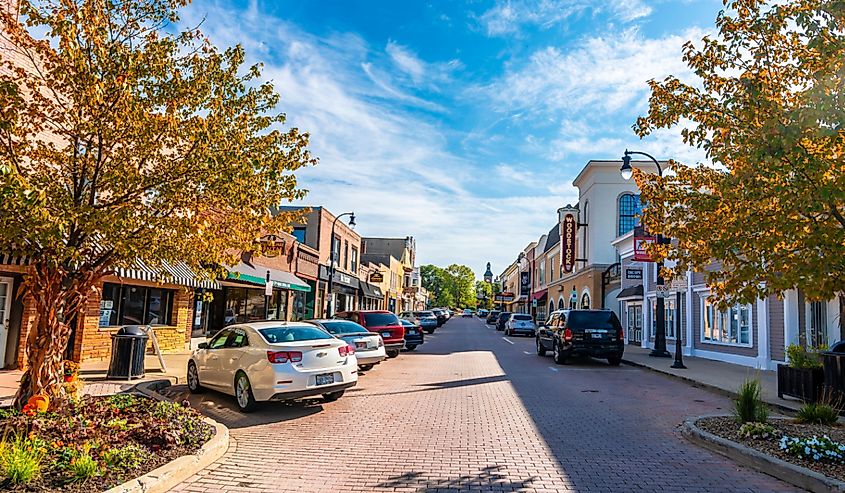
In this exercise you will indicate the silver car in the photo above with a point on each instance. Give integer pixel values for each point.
(520, 323)
(427, 320)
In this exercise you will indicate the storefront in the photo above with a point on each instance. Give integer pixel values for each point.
(539, 305)
(371, 297)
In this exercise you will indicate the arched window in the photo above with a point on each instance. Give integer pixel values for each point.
(551, 306)
(560, 305)
(629, 210)
(585, 301)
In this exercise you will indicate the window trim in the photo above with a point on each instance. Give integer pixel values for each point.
(703, 304)
(619, 215)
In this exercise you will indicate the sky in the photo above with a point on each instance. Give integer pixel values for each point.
(461, 123)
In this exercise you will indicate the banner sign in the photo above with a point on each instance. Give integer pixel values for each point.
(525, 283)
(570, 227)
(641, 241)
(636, 274)
(377, 277)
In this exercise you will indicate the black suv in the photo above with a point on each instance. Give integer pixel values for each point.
(503, 318)
(492, 317)
(595, 333)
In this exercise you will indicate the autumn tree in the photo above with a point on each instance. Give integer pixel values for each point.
(124, 138)
(768, 109)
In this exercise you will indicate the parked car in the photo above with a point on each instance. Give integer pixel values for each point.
(426, 320)
(520, 323)
(500, 322)
(369, 346)
(482, 313)
(595, 333)
(466, 313)
(273, 361)
(441, 316)
(413, 335)
(382, 322)
(492, 317)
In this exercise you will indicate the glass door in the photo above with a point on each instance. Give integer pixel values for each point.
(635, 323)
(5, 306)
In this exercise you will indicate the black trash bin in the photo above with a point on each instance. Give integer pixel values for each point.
(128, 347)
(833, 363)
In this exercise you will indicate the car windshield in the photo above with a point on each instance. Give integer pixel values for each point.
(343, 327)
(380, 319)
(522, 317)
(277, 335)
(423, 314)
(592, 320)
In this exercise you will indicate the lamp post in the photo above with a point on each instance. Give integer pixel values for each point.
(331, 261)
(659, 350)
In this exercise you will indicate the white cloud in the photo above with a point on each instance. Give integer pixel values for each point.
(509, 16)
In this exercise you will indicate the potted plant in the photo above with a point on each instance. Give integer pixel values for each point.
(802, 377)
(71, 369)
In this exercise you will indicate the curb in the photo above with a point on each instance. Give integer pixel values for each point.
(695, 383)
(164, 478)
(759, 461)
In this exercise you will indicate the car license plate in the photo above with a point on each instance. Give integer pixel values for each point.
(325, 379)
(361, 345)
(596, 336)
(385, 334)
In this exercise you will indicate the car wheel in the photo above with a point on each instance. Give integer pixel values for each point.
(541, 351)
(392, 353)
(333, 396)
(365, 367)
(614, 360)
(560, 359)
(243, 393)
(194, 379)
(411, 347)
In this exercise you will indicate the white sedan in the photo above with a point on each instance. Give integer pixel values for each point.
(369, 346)
(273, 361)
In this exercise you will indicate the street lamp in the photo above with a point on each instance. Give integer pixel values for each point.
(331, 261)
(659, 349)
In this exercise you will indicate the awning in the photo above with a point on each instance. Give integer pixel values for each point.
(632, 292)
(9, 260)
(178, 273)
(370, 291)
(257, 274)
(537, 295)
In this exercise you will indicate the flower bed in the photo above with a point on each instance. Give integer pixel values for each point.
(805, 445)
(96, 443)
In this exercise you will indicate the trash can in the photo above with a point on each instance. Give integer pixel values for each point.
(128, 347)
(833, 363)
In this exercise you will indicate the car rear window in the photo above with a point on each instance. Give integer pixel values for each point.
(522, 317)
(592, 320)
(280, 335)
(344, 327)
(423, 314)
(380, 319)
(504, 314)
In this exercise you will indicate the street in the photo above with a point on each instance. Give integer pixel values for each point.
(471, 410)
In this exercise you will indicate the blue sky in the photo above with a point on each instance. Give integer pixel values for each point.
(461, 123)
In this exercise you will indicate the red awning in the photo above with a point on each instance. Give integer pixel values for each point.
(539, 294)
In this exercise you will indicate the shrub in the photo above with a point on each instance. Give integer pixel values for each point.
(121, 401)
(20, 459)
(125, 458)
(757, 430)
(815, 449)
(748, 406)
(801, 357)
(83, 467)
(817, 413)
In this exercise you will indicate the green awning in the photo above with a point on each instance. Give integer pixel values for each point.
(257, 274)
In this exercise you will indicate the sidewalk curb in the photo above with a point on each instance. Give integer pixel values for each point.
(754, 459)
(164, 478)
(727, 393)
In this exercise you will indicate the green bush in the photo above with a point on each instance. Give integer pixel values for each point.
(126, 458)
(20, 459)
(757, 430)
(800, 357)
(817, 413)
(748, 406)
(83, 467)
(121, 401)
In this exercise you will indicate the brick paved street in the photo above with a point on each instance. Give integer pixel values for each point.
(469, 411)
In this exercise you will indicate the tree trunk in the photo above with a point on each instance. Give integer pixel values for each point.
(58, 296)
(841, 297)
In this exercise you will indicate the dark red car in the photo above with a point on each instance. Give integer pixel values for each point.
(384, 323)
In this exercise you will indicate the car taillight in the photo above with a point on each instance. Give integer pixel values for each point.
(284, 356)
(346, 350)
(380, 342)
(621, 334)
(567, 334)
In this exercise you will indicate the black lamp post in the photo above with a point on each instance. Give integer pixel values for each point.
(660, 317)
(331, 262)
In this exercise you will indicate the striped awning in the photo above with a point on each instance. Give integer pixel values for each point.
(10, 260)
(178, 273)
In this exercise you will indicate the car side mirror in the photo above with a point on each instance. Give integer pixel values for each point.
(202, 345)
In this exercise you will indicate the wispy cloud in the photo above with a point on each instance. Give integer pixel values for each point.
(507, 17)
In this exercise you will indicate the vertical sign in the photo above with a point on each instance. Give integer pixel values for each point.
(568, 243)
(640, 248)
(525, 283)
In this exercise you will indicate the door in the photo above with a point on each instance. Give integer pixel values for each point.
(210, 365)
(229, 357)
(5, 313)
(545, 333)
(635, 323)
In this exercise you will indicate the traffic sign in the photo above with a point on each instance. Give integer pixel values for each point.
(663, 290)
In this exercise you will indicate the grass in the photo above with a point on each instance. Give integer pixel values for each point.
(819, 413)
(748, 405)
(20, 459)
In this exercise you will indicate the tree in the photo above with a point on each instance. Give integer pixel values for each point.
(437, 281)
(123, 139)
(463, 285)
(769, 111)
(486, 290)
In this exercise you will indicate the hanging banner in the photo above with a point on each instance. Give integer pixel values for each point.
(525, 283)
(570, 227)
(641, 242)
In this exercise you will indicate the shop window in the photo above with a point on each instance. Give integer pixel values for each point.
(817, 323)
(670, 314)
(629, 211)
(244, 305)
(732, 326)
(135, 305)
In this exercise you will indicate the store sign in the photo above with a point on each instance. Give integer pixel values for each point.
(506, 297)
(636, 274)
(377, 277)
(570, 227)
(272, 246)
(641, 242)
(525, 283)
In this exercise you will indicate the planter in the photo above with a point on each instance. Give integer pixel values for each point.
(833, 365)
(802, 383)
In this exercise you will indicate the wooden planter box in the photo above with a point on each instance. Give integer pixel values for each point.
(802, 383)
(833, 365)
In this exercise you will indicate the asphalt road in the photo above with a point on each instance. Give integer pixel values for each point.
(471, 410)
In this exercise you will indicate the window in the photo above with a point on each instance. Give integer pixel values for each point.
(560, 305)
(238, 339)
(551, 306)
(585, 301)
(135, 305)
(542, 273)
(344, 327)
(629, 210)
(275, 335)
(732, 326)
(354, 259)
(380, 319)
(817, 323)
(336, 250)
(669, 314)
(220, 339)
(299, 233)
(345, 254)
